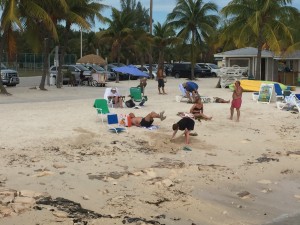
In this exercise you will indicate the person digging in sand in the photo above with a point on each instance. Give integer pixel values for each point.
(190, 87)
(147, 120)
(197, 109)
(186, 124)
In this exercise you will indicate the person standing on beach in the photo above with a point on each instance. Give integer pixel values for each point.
(143, 84)
(190, 87)
(161, 82)
(186, 124)
(236, 100)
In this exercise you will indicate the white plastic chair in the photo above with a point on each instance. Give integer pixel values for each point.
(108, 93)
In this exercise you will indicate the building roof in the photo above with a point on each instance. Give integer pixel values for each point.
(292, 55)
(245, 52)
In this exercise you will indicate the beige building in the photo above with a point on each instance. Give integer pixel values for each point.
(284, 69)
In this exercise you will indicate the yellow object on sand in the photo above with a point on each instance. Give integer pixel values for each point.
(254, 85)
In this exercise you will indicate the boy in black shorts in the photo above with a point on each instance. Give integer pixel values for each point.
(186, 124)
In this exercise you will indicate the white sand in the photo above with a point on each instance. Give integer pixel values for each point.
(41, 129)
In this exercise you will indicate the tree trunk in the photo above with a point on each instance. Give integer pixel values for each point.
(193, 57)
(45, 64)
(59, 83)
(257, 75)
(161, 58)
(118, 61)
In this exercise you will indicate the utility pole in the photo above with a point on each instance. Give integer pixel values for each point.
(80, 42)
(150, 31)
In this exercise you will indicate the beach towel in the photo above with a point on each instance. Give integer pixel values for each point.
(152, 127)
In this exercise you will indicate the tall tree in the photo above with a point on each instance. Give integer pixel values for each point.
(140, 14)
(83, 14)
(19, 14)
(39, 29)
(195, 21)
(119, 32)
(164, 36)
(261, 22)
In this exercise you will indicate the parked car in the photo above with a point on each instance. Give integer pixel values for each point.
(122, 76)
(117, 64)
(75, 69)
(9, 77)
(183, 70)
(168, 69)
(146, 70)
(101, 70)
(213, 68)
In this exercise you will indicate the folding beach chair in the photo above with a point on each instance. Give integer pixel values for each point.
(113, 123)
(290, 102)
(101, 107)
(110, 100)
(279, 92)
(296, 103)
(136, 94)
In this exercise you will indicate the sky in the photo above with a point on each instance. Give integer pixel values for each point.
(163, 7)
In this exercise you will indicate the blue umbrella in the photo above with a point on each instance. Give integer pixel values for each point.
(132, 70)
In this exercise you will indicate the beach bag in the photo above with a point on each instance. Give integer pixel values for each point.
(125, 120)
(130, 103)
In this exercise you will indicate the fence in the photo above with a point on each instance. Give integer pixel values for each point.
(30, 62)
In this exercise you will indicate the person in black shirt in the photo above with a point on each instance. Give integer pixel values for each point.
(186, 124)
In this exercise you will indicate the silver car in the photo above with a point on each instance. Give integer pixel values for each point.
(101, 70)
(74, 69)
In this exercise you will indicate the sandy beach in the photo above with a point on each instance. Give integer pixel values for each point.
(55, 152)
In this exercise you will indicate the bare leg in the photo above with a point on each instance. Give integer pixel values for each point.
(120, 101)
(163, 89)
(238, 115)
(187, 136)
(159, 92)
(231, 113)
(153, 115)
(188, 95)
(201, 115)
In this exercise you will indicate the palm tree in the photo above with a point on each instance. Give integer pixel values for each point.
(259, 22)
(39, 29)
(164, 36)
(119, 32)
(194, 21)
(20, 14)
(81, 13)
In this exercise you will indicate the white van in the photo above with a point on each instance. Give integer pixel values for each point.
(214, 69)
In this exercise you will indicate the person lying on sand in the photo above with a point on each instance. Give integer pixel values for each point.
(147, 120)
(220, 100)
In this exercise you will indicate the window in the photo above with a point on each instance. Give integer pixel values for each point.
(240, 62)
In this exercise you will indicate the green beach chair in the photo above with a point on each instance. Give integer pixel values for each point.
(136, 94)
(101, 107)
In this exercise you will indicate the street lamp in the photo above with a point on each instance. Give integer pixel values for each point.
(151, 11)
(80, 42)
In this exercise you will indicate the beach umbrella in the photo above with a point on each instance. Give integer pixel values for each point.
(130, 69)
(92, 59)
